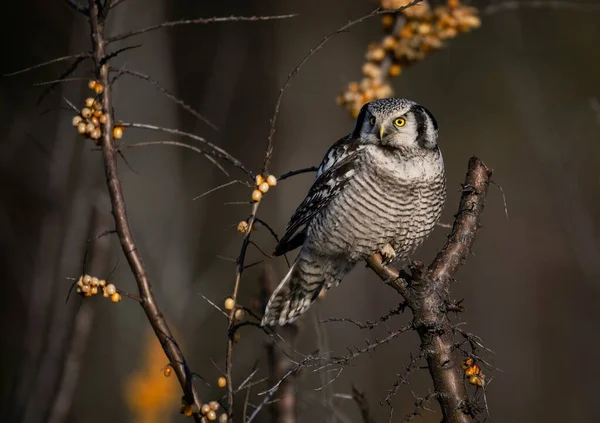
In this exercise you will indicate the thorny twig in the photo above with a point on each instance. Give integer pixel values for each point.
(426, 291)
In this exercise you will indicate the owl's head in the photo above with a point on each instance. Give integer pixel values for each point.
(396, 123)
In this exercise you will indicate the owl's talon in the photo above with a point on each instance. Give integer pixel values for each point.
(388, 254)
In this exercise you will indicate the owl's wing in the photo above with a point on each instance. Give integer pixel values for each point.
(335, 171)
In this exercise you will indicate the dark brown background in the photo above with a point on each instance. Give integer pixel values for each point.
(519, 93)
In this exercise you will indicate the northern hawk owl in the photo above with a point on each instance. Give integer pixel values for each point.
(379, 189)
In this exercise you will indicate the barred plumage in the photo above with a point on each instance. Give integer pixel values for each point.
(383, 185)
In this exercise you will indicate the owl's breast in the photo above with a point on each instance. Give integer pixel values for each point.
(382, 204)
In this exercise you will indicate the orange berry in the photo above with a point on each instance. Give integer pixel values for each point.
(95, 133)
(243, 227)
(77, 120)
(118, 132)
(103, 119)
(395, 70)
(211, 415)
(222, 382)
(89, 102)
(168, 370)
(81, 128)
(259, 180)
(92, 84)
(98, 88)
(116, 297)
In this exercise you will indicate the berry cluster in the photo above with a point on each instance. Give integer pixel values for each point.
(90, 120)
(262, 186)
(89, 285)
(238, 315)
(472, 372)
(208, 410)
(409, 36)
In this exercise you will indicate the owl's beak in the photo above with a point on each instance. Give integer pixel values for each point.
(381, 132)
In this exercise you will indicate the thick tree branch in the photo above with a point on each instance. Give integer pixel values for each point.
(426, 291)
(110, 151)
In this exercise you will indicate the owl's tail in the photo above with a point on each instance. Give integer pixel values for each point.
(301, 286)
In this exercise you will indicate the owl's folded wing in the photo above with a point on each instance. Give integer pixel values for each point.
(335, 171)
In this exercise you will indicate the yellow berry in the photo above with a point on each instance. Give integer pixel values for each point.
(223, 418)
(205, 409)
(214, 405)
(87, 279)
(95, 134)
(89, 102)
(110, 289)
(256, 195)
(118, 132)
(389, 42)
(271, 180)
(242, 227)
(77, 120)
(98, 88)
(229, 303)
(264, 187)
(86, 112)
(259, 179)
(116, 297)
(211, 415)
(167, 371)
(222, 382)
(102, 282)
(95, 281)
(92, 84)
(475, 380)
(103, 119)
(94, 290)
(81, 128)
(85, 288)
(239, 314)
(94, 121)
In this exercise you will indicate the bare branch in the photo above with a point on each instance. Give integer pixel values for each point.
(110, 152)
(196, 22)
(216, 150)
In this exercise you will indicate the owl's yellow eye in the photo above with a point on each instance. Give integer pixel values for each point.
(399, 122)
(372, 121)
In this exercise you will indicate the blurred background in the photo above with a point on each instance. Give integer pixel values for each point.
(521, 92)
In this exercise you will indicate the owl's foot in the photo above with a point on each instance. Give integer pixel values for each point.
(387, 254)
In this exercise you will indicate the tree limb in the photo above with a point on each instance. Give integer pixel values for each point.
(110, 151)
(426, 291)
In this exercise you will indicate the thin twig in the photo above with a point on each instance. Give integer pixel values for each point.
(50, 62)
(288, 82)
(195, 22)
(167, 93)
(110, 153)
(298, 172)
(238, 276)
(216, 150)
